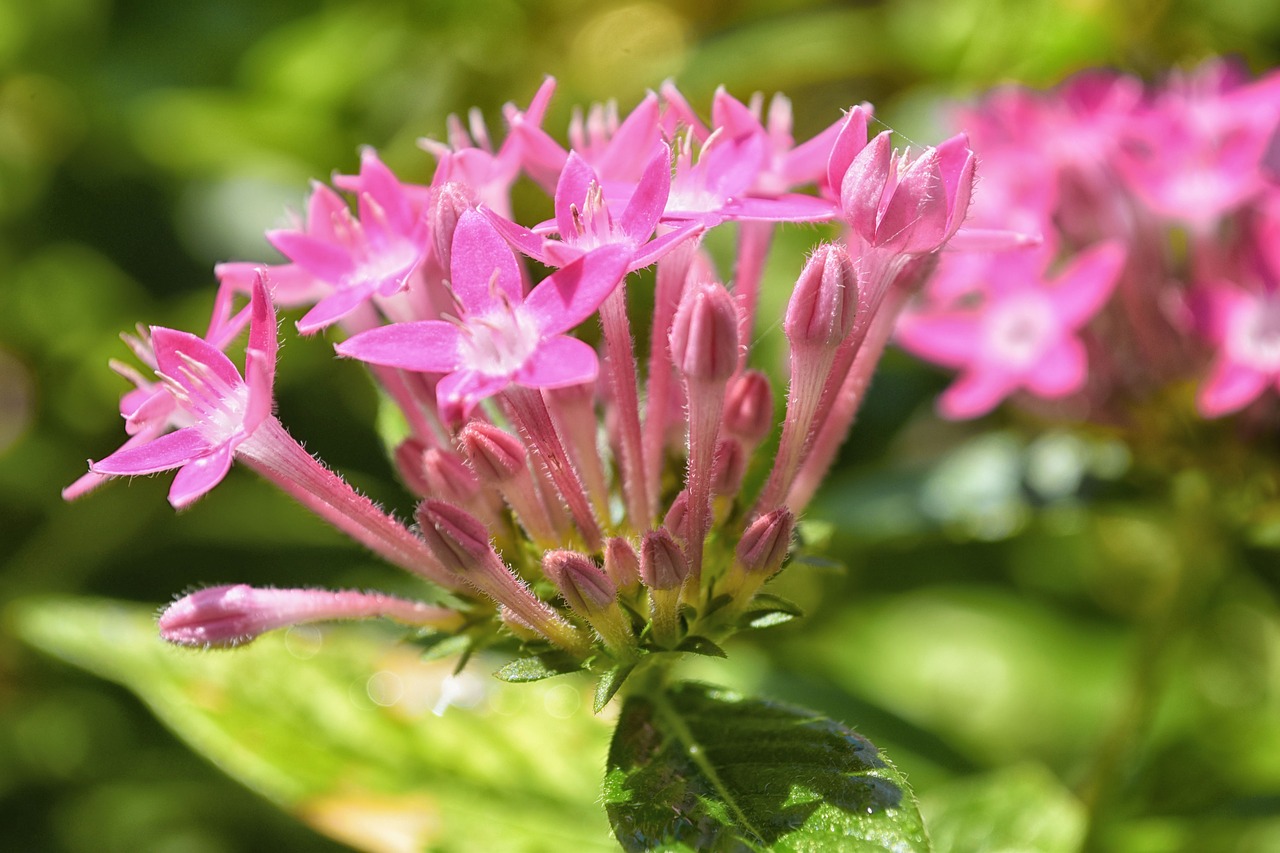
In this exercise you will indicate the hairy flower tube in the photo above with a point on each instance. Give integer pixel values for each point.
(599, 486)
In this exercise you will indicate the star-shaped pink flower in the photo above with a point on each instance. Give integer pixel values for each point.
(1246, 328)
(222, 408)
(1023, 336)
(501, 336)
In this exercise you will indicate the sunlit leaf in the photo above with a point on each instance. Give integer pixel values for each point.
(356, 735)
(705, 769)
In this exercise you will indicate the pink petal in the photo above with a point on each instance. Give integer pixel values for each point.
(1060, 372)
(559, 362)
(633, 142)
(429, 346)
(788, 208)
(572, 293)
(957, 164)
(478, 252)
(335, 306)
(863, 185)
(949, 339)
(458, 393)
(659, 246)
(810, 161)
(1230, 387)
(525, 241)
(175, 351)
(1086, 285)
(915, 219)
(731, 166)
(324, 259)
(975, 394)
(733, 116)
(291, 285)
(260, 358)
(542, 157)
(200, 475)
(160, 454)
(571, 193)
(379, 184)
(851, 139)
(650, 197)
(325, 208)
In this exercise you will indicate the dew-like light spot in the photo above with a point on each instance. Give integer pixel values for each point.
(384, 688)
(303, 641)
(562, 701)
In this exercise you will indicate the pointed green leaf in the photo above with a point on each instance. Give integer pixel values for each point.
(701, 646)
(706, 769)
(336, 725)
(538, 667)
(768, 610)
(609, 684)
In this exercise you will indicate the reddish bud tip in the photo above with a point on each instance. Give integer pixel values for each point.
(621, 563)
(729, 467)
(765, 542)
(704, 335)
(495, 454)
(584, 587)
(408, 458)
(448, 204)
(748, 407)
(825, 301)
(662, 563)
(456, 538)
(448, 477)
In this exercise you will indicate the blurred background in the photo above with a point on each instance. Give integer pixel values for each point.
(998, 626)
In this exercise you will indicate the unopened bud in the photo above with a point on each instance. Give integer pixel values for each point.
(223, 616)
(677, 517)
(448, 477)
(495, 454)
(765, 543)
(456, 538)
(448, 203)
(409, 463)
(729, 467)
(825, 301)
(704, 334)
(662, 563)
(748, 408)
(621, 563)
(584, 588)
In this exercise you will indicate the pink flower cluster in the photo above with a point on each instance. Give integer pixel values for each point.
(1160, 261)
(572, 494)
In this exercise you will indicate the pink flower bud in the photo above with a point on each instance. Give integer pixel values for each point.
(765, 542)
(408, 458)
(662, 564)
(495, 455)
(223, 616)
(825, 301)
(621, 563)
(677, 516)
(457, 538)
(448, 477)
(585, 588)
(748, 407)
(729, 467)
(447, 206)
(704, 335)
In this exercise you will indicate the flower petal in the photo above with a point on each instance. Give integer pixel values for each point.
(429, 346)
(478, 252)
(1061, 371)
(1230, 387)
(572, 293)
(200, 475)
(177, 352)
(650, 197)
(975, 393)
(1086, 285)
(949, 339)
(335, 306)
(571, 195)
(559, 362)
(459, 392)
(160, 454)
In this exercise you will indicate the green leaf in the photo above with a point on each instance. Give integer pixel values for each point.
(337, 727)
(769, 610)
(701, 646)
(538, 667)
(609, 684)
(706, 769)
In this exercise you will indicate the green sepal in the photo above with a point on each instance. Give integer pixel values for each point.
(538, 667)
(698, 645)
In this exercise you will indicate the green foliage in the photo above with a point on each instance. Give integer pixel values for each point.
(338, 728)
(696, 768)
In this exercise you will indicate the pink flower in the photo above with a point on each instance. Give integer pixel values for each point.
(374, 255)
(1023, 336)
(500, 336)
(584, 223)
(1246, 328)
(224, 408)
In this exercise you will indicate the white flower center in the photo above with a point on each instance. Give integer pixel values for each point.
(1020, 330)
(1255, 335)
(500, 342)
